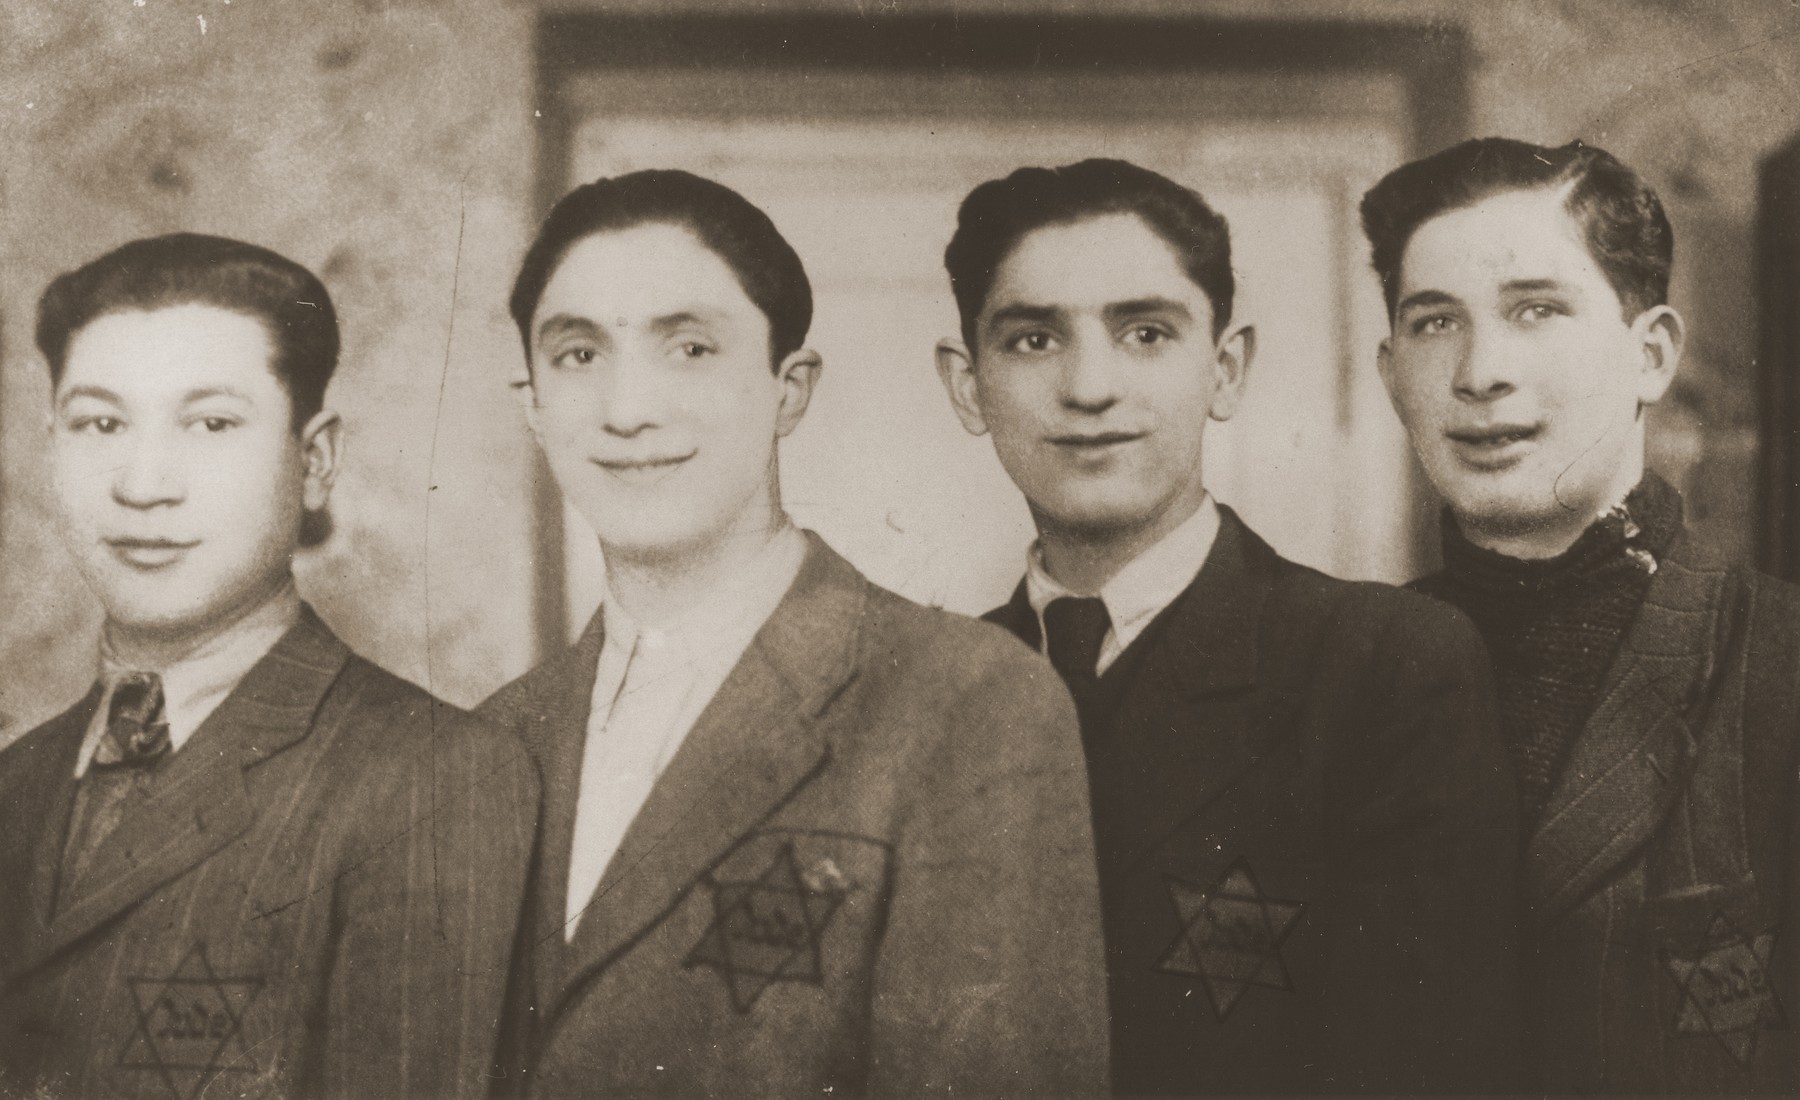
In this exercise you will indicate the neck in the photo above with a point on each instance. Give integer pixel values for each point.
(660, 588)
(1083, 560)
(156, 650)
(1554, 537)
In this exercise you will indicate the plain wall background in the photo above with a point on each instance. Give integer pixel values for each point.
(389, 145)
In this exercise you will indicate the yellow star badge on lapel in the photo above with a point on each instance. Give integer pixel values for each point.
(1231, 936)
(770, 929)
(1725, 990)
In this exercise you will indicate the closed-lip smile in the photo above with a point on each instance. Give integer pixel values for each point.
(149, 553)
(1094, 439)
(1494, 435)
(645, 464)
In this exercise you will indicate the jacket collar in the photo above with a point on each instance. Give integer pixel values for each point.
(1210, 630)
(199, 804)
(1634, 756)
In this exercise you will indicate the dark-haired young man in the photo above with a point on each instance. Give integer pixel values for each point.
(248, 860)
(1303, 817)
(1648, 692)
(801, 836)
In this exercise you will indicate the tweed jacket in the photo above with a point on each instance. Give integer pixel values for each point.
(867, 870)
(1307, 838)
(318, 896)
(1662, 911)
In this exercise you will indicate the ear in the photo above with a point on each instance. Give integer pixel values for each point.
(797, 374)
(1384, 366)
(1663, 334)
(1231, 362)
(956, 369)
(321, 448)
(525, 393)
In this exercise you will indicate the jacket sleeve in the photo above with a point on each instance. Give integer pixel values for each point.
(991, 977)
(428, 904)
(1425, 973)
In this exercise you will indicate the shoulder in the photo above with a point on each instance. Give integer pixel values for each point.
(1369, 613)
(940, 647)
(395, 726)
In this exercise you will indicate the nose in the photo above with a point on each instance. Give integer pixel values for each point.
(1090, 377)
(631, 398)
(149, 475)
(1484, 369)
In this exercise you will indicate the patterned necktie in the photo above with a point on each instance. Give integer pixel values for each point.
(137, 730)
(1074, 630)
(135, 741)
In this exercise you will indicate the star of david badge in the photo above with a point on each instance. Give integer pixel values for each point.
(1231, 936)
(190, 1024)
(1725, 991)
(769, 929)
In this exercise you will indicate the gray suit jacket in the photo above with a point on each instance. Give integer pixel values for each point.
(868, 869)
(318, 896)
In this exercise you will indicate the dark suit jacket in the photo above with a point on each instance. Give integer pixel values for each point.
(1307, 838)
(868, 869)
(318, 896)
(1662, 912)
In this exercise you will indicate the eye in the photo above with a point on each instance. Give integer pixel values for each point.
(104, 425)
(695, 349)
(216, 424)
(1148, 335)
(1036, 342)
(1434, 325)
(580, 356)
(1539, 312)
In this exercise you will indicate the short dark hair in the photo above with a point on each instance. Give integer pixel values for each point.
(999, 214)
(727, 223)
(1619, 214)
(194, 269)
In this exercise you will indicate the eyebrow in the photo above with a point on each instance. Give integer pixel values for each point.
(99, 393)
(1020, 311)
(672, 322)
(1532, 286)
(1425, 298)
(1138, 307)
(567, 324)
(214, 391)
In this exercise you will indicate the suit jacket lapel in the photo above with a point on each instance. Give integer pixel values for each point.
(1175, 743)
(758, 740)
(37, 789)
(1017, 616)
(557, 742)
(200, 803)
(1634, 756)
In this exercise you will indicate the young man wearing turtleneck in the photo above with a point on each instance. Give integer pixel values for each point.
(1648, 692)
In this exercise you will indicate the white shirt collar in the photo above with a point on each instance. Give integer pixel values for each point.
(1140, 590)
(194, 686)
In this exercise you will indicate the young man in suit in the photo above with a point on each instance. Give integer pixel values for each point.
(1304, 822)
(248, 860)
(801, 836)
(1648, 691)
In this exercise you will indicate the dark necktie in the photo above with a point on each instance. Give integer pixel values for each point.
(1074, 629)
(135, 741)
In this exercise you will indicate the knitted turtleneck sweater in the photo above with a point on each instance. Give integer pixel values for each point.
(1553, 626)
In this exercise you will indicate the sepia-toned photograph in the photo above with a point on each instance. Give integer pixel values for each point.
(970, 548)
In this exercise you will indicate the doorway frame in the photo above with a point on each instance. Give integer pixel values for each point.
(1429, 60)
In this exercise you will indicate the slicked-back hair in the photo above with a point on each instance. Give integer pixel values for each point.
(1000, 213)
(728, 224)
(1620, 217)
(193, 269)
